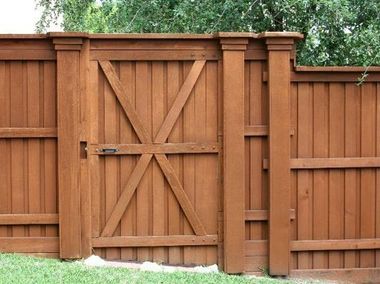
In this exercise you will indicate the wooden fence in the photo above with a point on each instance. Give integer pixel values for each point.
(189, 149)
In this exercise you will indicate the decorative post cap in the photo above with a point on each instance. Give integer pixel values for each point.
(67, 41)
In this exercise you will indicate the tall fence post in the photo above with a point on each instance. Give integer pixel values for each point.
(233, 46)
(279, 47)
(68, 47)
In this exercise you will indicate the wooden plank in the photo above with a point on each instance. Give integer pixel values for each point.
(207, 200)
(28, 219)
(262, 215)
(337, 77)
(352, 176)
(256, 130)
(331, 163)
(143, 193)
(336, 177)
(189, 129)
(255, 263)
(126, 195)
(320, 177)
(179, 102)
(256, 54)
(335, 163)
(256, 248)
(93, 161)
(279, 155)
(5, 145)
(335, 69)
(333, 245)
(29, 244)
(377, 225)
(68, 91)
(155, 55)
(254, 175)
(368, 188)
(332, 77)
(50, 172)
(127, 163)
(34, 153)
(32, 54)
(174, 80)
(233, 154)
(260, 130)
(150, 36)
(156, 241)
(202, 172)
(121, 95)
(158, 179)
(85, 189)
(18, 162)
(305, 178)
(180, 194)
(293, 153)
(353, 275)
(111, 111)
(166, 148)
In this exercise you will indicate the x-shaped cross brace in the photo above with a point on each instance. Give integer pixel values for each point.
(145, 138)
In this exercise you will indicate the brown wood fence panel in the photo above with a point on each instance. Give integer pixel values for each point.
(335, 119)
(189, 149)
(28, 148)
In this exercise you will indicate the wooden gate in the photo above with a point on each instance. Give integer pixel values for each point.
(156, 181)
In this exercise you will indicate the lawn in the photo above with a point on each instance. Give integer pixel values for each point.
(24, 269)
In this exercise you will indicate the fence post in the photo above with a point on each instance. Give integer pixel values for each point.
(233, 46)
(279, 47)
(68, 47)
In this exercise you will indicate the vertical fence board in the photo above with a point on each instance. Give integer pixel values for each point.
(352, 176)
(320, 184)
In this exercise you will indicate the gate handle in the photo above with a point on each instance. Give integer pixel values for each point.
(108, 150)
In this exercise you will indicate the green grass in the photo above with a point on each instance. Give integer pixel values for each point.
(24, 269)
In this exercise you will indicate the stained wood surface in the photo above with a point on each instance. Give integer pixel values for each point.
(233, 154)
(177, 97)
(28, 154)
(68, 94)
(164, 114)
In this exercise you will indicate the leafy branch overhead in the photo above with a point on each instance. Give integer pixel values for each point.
(337, 32)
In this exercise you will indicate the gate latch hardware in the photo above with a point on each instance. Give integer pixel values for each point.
(108, 150)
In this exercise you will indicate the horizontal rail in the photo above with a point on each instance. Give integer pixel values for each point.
(28, 219)
(262, 215)
(256, 130)
(337, 69)
(323, 245)
(29, 244)
(152, 55)
(27, 132)
(260, 130)
(328, 77)
(155, 241)
(165, 148)
(256, 248)
(331, 163)
(27, 54)
(342, 275)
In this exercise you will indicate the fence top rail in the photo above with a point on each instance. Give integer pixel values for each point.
(155, 35)
(351, 69)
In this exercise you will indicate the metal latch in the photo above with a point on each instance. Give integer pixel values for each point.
(108, 150)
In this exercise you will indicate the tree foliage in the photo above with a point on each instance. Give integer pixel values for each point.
(337, 32)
